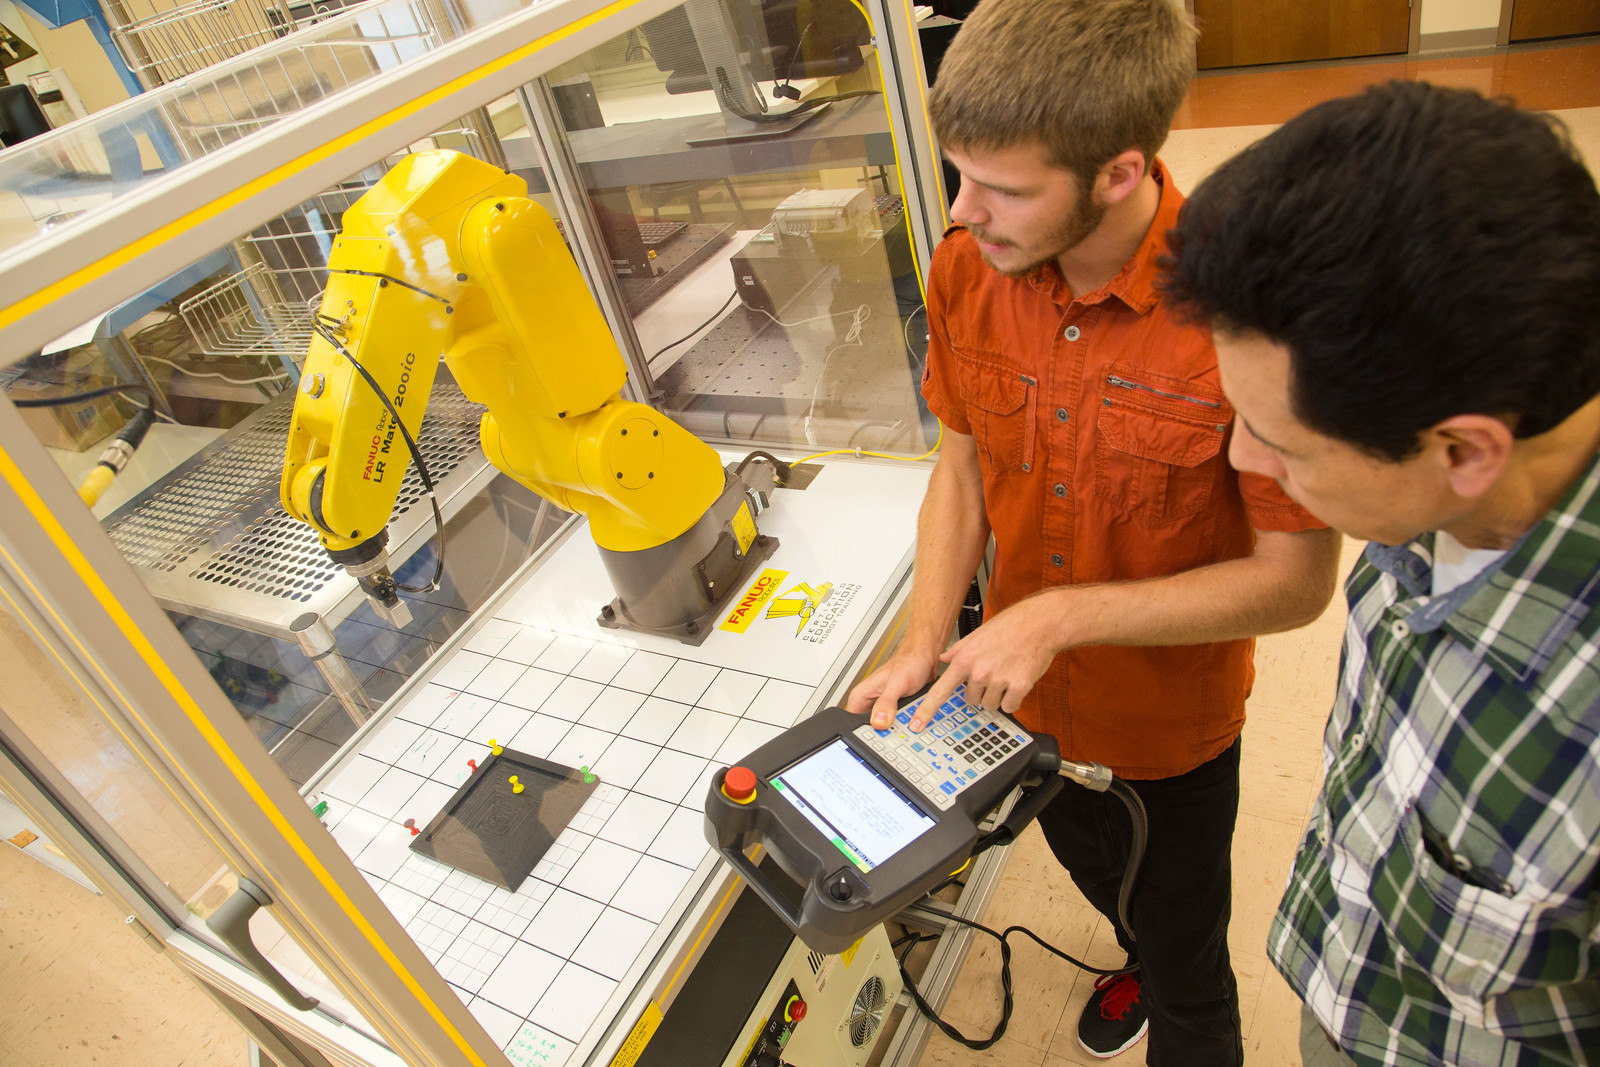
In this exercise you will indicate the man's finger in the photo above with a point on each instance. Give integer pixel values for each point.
(861, 698)
(938, 694)
(884, 708)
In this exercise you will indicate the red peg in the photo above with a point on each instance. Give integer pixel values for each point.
(472, 763)
(411, 824)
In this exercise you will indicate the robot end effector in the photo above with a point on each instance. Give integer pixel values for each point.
(446, 257)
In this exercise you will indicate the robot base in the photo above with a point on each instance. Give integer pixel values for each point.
(676, 589)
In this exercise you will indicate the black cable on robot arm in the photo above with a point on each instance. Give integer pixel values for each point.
(384, 279)
(416, 454)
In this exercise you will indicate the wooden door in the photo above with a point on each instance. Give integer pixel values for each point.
(1237, 33)
(1532, 19)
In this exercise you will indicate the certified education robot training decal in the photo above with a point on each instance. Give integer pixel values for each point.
(815, 607)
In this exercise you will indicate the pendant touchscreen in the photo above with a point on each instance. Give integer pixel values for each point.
(868, 821)
(852, 805)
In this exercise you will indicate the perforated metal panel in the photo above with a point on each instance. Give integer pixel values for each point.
(211, 538)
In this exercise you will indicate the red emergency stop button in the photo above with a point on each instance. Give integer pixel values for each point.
(795, 1010)
(739, 784)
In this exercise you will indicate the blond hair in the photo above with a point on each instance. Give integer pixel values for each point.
(1087, 79)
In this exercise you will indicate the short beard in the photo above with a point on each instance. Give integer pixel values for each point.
(1086, 216)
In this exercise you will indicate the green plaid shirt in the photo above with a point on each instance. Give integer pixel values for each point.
(1444, 907)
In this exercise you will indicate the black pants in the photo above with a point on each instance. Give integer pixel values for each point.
(1180, 906)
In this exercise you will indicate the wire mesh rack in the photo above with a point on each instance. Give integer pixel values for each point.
(265, 310)
(165, 45)
(247, 314)
(295, 245)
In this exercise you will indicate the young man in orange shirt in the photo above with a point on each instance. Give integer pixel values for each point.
(1087, 430)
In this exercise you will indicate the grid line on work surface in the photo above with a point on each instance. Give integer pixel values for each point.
(535, 966)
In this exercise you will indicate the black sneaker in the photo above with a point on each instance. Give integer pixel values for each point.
(1113, 1021)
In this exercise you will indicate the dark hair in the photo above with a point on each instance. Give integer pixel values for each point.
(1421, 252)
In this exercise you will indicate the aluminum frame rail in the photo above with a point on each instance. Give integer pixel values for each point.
(204, 203)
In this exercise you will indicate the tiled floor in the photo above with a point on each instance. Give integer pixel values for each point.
(79, 989)
(136, 1010)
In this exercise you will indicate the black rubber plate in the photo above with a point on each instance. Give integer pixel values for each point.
(499, 835)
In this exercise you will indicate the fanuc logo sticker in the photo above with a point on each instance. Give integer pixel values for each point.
(744, 612)
(818, 608)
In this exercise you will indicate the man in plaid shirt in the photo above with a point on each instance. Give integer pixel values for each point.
(1405, 288)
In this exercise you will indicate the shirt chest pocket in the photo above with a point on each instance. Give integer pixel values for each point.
(1154, 464)
(1472, 941)
(1000, 410)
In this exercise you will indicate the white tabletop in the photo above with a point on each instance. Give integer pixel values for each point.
(548, 968)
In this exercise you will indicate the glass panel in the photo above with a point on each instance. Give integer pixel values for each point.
(196, 512)
(53, 712)
(61, 720)
(738, 158)
(58, 179)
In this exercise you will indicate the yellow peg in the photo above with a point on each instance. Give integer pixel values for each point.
(495, 746)
(516, 786)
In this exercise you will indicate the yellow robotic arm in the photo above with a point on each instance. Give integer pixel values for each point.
(447, 257)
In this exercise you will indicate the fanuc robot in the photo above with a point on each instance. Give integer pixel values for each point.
(447, 257)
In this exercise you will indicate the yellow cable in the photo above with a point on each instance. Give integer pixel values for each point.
(859, 452)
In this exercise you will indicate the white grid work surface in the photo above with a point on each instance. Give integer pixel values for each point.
(653, 719)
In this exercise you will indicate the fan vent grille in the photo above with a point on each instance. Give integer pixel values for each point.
(866, 1014)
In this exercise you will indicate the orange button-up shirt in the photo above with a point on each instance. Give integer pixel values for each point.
(1102, 432)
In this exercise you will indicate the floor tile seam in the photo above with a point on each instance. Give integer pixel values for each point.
(1290, 824)
(979, 1030)
(1306, 714)
(1248, 1019)
(1063, 1025)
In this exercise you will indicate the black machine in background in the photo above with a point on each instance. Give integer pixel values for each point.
(786, 39)
(21, 115)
